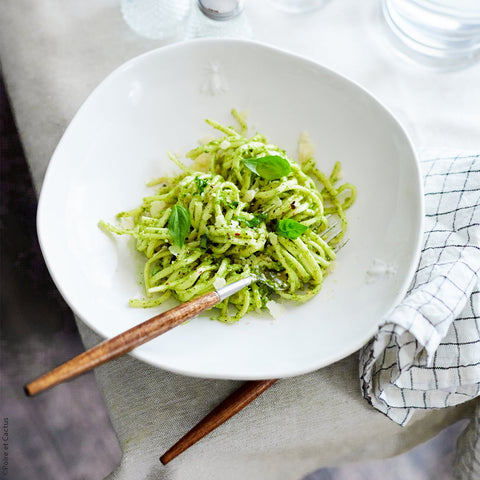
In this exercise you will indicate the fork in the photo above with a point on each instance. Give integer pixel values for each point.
(244, 395)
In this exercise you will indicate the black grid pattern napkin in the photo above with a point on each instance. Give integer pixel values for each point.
(426, 353)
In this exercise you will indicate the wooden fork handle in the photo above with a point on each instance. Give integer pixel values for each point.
(123, 343)
(238, 400)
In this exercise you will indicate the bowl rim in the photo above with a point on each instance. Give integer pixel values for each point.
(205, 43)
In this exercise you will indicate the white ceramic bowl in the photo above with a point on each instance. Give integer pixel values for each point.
(158, 102)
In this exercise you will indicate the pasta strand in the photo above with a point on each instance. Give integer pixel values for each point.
(235, 230)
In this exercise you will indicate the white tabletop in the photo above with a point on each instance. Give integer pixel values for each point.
(55, 52)
(81, 43)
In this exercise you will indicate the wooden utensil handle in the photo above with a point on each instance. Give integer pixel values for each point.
(238, 400)
(123, 343)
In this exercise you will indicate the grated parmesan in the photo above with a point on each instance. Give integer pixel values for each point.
(219, 283)
(127, 222)
(305, 148)
(156, 207)
(276, 309)
(202, 162)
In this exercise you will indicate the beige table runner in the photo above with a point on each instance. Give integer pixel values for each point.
(53, 54)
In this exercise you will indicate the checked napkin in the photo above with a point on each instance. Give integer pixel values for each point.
(426, 353)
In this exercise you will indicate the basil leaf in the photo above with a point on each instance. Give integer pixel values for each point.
(179, 224)
(201, 184)
(203, 241)
(228, 204)
(271, 167)
(256, 220)
(289, 228)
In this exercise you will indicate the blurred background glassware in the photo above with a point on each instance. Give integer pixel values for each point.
(156, 19)
(219, 18)
(437, 33)
(298, 6)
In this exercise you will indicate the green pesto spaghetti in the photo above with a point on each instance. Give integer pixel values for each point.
(242, 207)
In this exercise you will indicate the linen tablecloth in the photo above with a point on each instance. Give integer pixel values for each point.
(54, 53)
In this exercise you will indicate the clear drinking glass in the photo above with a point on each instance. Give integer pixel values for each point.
(156, 19)
(441, 33)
